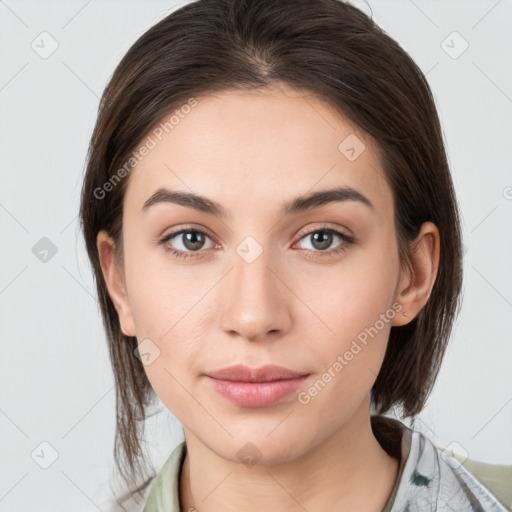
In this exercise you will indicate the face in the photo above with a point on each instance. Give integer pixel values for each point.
(311, 288)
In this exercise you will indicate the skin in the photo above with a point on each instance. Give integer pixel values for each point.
(293, 306)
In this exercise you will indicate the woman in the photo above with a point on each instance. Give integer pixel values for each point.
(272, 224)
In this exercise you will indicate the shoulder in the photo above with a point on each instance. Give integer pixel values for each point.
(429, 476)
(160, 492)
(163, 494)
(433, 476)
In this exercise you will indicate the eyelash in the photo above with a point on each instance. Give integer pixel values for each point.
(347, 240)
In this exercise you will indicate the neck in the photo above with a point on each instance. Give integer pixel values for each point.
(347, 471)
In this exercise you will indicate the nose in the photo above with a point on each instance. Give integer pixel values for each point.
(257, 302)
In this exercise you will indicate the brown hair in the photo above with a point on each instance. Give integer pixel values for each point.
(335, 51)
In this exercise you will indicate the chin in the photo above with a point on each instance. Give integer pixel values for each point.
(256, 447)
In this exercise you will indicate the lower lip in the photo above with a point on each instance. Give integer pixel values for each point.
(256, 394)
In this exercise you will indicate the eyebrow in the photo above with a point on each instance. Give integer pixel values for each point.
(297, 205)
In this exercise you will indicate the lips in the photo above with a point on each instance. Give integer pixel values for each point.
(267, 373)
(255, 387)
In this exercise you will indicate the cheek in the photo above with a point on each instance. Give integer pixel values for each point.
(177, 339)
(352, 306)
(349, 358)
(171, 309)
(345, 299)
(161, 292)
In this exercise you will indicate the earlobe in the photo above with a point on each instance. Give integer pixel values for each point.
(416, 282)
(115, 282)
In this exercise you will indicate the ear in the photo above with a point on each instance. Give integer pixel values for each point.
(416, 283)
(115, 282)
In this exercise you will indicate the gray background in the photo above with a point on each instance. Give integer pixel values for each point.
(56, 383)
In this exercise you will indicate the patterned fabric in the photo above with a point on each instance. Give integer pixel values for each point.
(429, 480)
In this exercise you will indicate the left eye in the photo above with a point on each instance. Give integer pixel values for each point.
(321, 239)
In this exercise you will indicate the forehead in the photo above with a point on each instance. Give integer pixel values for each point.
(251, 148)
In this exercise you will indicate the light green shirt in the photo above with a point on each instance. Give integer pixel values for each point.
(428, 479)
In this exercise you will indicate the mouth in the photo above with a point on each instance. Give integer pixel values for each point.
(259, 387)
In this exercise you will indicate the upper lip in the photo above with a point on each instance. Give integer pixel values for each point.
(267, 373)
